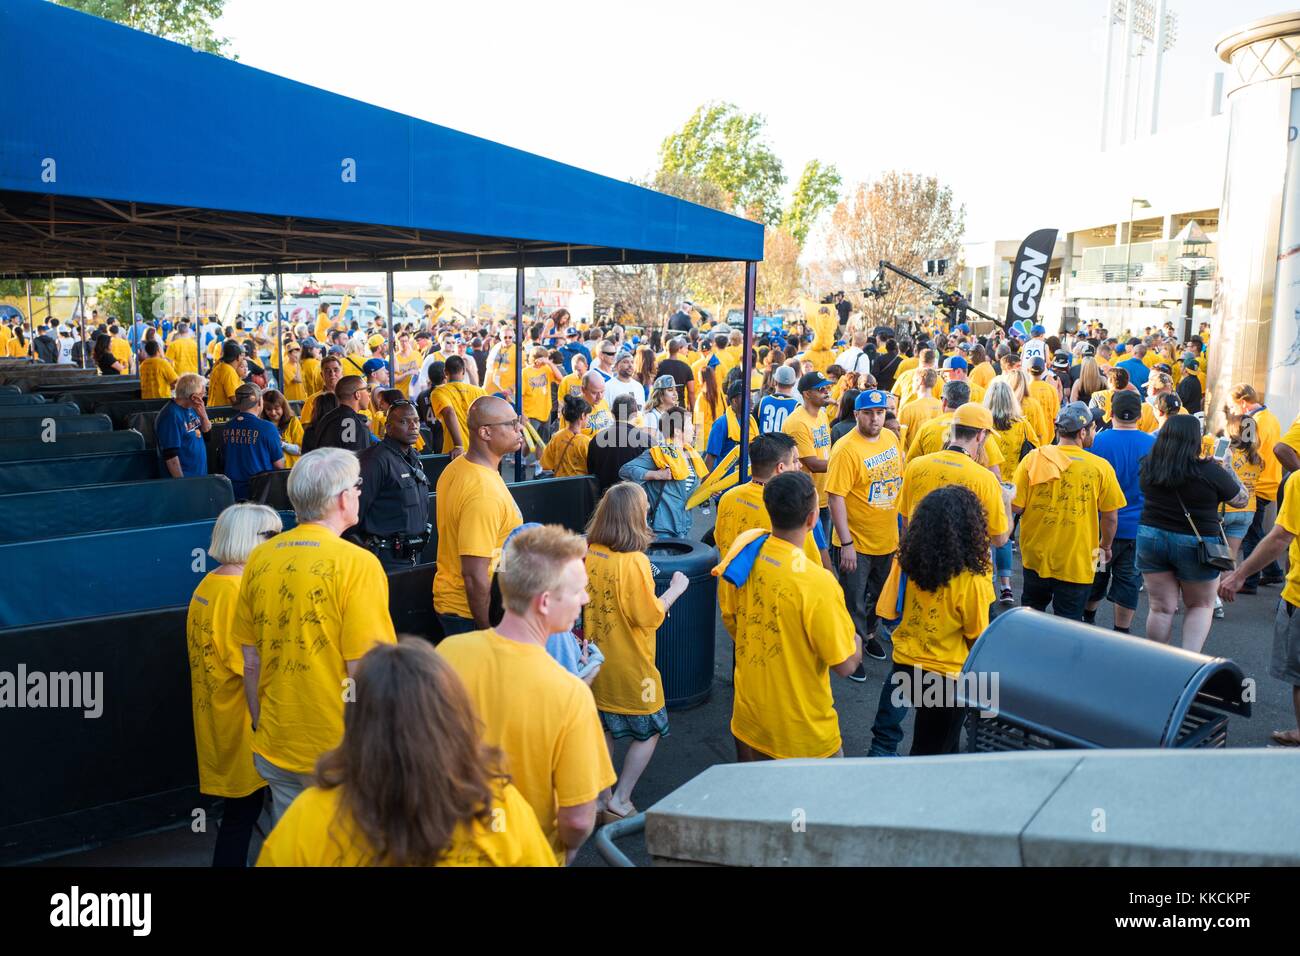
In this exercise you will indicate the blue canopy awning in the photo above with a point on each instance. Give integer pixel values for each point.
(126, 154)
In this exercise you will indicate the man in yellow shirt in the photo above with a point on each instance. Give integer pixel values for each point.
(921, 409)
(981, 371)
(1281, 539)
(956, 465)
(593, 390)
(787, 617)
(542, 717)
(120, 347)
(811, 431)
(310, 606)
(1245, 401)
(741, 508)
(907, 386)
(930, 438)
(475, 515)
(1070, 501)
(955, 370)
(863, 478)
(538, 379)
(156, 373)
(183, 351)
(451, 402)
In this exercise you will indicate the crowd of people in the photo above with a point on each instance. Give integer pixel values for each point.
(892, 480)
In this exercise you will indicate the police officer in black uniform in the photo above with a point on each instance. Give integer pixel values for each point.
(393, 515)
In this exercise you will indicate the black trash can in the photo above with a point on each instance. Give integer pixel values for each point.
(1064, 684)
(684, 642)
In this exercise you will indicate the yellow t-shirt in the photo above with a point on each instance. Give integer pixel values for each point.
(501, 375)
(812, 435)
(323, 325)
(622, 618)
(705, 416)
(309, 407)
(599, 418)
(309, 602)
(1247, 473)
(1292, 437)
(183, 353)
(981, 375)
(916, 414)
(223, 384)
(458, 396)
(928, 472)
(1010, 442)
(121, 350)
(542, 717)
(312, 379)
(475, 516)
(292, 434)
(223, 728)
(156, 378)
(1046, 396)
(295, 381)
(867, 473)
(1060, 529)
(938, 627)
(313, 832)
(790, 625)
(742, 509)
(566, 454)
(571, 384)
(537, 391)
(930, 439)
(1269, 430)
(1288, 519)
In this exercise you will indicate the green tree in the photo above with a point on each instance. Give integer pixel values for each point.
(113, 299)
(185, 21)
(725, 147)
(817, 191)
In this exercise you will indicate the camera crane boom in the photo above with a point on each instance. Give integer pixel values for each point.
(952, 300)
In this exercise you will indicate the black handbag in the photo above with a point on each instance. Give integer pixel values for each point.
(1214, 554)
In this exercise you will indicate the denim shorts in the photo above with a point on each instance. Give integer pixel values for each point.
(1159, 550)
(1237, 523)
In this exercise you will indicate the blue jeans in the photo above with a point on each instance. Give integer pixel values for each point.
(451, 624)
(887, 729)
(1002, 560)
(1254, 535)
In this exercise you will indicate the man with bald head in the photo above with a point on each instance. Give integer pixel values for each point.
(475, 515)
(593, 390)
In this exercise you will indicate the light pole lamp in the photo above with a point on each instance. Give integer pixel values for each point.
(1128, 257)
(1192, 257)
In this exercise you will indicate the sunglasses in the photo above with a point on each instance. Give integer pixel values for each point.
(267, 535)
(512, 423)
(352, 487)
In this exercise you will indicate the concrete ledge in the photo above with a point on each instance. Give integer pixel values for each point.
(1064, 808)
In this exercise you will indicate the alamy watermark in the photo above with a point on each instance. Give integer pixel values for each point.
(75, 690)
(922, 688)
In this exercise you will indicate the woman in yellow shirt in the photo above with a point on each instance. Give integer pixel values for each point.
(277, 410)
(621, 619)
(223, 729)
(295, 379)
(1012, 431)
(411, 784)
(708, 406)
(566, 453)
(944, 553)
(16, 347)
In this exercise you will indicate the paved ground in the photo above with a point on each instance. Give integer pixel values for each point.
(700, 737)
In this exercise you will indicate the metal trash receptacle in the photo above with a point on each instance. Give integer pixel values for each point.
(684, 642)
(1063, 684)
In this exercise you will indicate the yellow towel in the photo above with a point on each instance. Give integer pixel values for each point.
(679, 461)
(1048, 463)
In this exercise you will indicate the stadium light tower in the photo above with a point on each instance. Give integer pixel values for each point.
(1145, 27)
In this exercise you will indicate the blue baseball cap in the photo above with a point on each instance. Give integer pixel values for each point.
(571, 332)
(813, 381)
(871, 398)
(956, 361)
(1038, 330)
(373, 365)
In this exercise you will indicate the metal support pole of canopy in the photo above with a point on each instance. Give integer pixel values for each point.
(279, 333)
(519, 363)
(135, 334)
(392, 352)
(747, 367)
(81, 311)
(31, 320)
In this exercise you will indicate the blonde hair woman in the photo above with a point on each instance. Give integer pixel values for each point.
(1090, 380)
(1014, 434)
(223, 731)
(622, 617)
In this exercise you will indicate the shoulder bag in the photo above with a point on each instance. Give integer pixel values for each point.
(1212, 553)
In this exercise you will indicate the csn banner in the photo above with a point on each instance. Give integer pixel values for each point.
(1029, 276)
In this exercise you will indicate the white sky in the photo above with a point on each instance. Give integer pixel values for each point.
(864, 85)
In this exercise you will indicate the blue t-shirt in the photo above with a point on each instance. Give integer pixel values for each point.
(719, 444)
(1125, 449)
(179, 428)
(772, 411)
(250, 445)
(567, 352)
(1138, 373)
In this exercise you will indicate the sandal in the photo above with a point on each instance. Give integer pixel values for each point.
(608, 816)
(1285, 738)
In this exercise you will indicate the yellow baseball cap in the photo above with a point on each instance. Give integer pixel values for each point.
(375, 341)
(973, 416)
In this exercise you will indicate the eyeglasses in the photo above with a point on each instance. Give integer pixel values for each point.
(609, 354)
(353, 487)
(267, 535)
(513, 423)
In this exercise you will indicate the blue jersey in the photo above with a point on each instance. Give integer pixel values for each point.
(772, 411)
(250, 445)
(178, 429)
